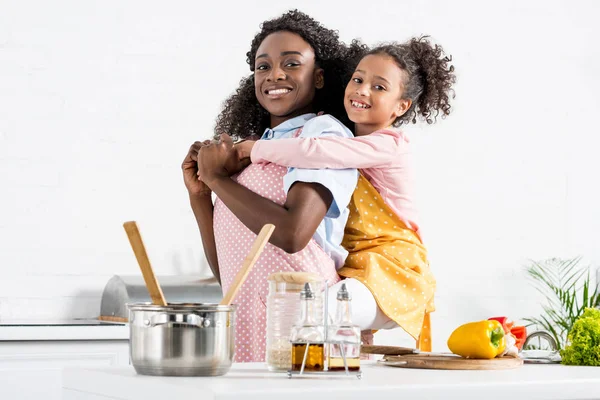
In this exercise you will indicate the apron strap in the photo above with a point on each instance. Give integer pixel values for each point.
(424, 341)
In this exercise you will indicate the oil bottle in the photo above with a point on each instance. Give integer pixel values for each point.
(308, 335)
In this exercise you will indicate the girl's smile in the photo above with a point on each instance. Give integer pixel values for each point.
(359, 104)
(373, 97)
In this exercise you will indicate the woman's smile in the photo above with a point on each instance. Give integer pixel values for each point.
(277, 92)
(285, 76)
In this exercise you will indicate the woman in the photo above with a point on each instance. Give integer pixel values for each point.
(298, 68)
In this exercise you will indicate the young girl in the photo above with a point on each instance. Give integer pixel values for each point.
(393, 84)
(297, 67)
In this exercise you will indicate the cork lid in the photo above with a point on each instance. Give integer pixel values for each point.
(294, 277)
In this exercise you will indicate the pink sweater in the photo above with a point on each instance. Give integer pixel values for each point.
(384, 157)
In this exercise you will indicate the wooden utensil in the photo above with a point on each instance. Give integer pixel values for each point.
(387, 350)
(449, 361)
(255, 251)
(133, 233)
(110, 318)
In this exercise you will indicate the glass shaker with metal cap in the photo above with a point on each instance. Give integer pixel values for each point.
(308, 335)
(344, 337)
(283, 312)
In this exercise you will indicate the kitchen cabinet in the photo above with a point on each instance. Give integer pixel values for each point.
(33, 355)
(252, 382)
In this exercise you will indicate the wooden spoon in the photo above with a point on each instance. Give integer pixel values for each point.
(257, 248)
(133, 233)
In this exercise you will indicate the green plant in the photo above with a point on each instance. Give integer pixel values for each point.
(568, 290)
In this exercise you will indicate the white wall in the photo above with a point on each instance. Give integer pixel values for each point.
(99, 101)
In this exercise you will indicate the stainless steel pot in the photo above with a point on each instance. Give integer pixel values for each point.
(187, 339)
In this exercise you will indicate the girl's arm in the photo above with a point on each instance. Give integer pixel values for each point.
(380, 149)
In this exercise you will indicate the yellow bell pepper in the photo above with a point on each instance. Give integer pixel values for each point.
(482, 339)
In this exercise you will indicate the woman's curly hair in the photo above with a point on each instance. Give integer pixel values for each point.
(430, 78)
(242, 115)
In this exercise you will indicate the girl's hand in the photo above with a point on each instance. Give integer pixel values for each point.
(219, 159)
(244, 149)
(193, 183)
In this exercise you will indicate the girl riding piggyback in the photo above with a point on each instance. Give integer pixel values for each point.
(387, 266)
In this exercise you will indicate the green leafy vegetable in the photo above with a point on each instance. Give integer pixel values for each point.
(584, 339)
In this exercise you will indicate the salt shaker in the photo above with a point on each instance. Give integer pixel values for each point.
(344, 336)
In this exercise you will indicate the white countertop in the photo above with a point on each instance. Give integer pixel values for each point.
(79, 329)
(252, 382)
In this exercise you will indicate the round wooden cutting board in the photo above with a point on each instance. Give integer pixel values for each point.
(449, 361)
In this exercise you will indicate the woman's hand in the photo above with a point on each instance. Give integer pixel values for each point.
(219, 159)
(193, 183)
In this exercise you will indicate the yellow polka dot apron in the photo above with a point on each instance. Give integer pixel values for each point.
(390, 260)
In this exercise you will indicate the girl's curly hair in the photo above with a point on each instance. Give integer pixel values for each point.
(430, 78)
(242, 115)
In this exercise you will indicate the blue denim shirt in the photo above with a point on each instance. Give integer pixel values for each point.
(340, 182)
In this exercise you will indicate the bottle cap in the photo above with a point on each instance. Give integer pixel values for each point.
(343, 293)
(307, 292)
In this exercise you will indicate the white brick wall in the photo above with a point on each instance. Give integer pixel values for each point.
(99, 101)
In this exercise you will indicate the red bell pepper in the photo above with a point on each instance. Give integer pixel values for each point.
(519, 332)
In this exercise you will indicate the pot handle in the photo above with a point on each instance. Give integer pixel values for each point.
(183, 319)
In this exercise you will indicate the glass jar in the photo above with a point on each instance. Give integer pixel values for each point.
(283, 311)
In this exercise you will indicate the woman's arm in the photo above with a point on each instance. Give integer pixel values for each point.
(295, 222)
(380, 149)
(202, 206)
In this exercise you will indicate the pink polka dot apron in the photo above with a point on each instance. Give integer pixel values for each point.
(233, 242)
